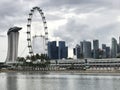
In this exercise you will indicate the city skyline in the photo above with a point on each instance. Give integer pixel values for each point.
(71, 21)
(92, 49)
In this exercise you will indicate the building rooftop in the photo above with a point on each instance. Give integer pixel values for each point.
(14, 29)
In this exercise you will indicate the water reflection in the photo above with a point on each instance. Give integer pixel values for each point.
(11, 81)
(55, 81)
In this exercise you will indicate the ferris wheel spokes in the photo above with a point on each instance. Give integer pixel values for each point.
(29, 29)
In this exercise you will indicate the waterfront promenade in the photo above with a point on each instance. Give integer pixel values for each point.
(71, 66)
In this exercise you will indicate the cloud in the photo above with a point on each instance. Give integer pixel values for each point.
(10, 11)
(71, 2)
(52, 17)
(83, 4)
(72, 32)
(69, 20)
(3, 36)
(106, 32)
(75, 30)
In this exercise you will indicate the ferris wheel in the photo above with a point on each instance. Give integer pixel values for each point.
(29, 35)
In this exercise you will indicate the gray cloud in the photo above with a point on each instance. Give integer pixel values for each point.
(10, 12)
(89, 19)
(2, 35)
(52, 17)
(83, 4)
(106, 32)
(72, 32)
(74, 2)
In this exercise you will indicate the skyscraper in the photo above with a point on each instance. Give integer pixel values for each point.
(52, 50)
(62, 50)
(119, 40)
(57, 52)
(104, 50)
(87, 49)
(81, 48)
(95, 49)
(113, 48)
(76, 51)
(118, 47)
(13, 37)
(107, 52)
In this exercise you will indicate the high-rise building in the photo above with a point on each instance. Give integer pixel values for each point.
(95, 44)
(57, 52)
(76, 51)
(103, 46)
(107, 52)
(13, 38)
(62, 50)
(95, 49)
(118, 46)
(87, 49)
(52, 50)
(104, 50)
(119, 40)
(81, 49)
(113, 48)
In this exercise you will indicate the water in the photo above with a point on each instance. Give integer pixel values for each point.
(58, 81)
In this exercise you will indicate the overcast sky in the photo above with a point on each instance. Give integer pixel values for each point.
(68, 20)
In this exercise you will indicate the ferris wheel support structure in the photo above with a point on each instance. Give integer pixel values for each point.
(29, 40)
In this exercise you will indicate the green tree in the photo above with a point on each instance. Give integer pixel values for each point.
(33, 58)
(37, 56)
(42, 57)
(21, 59)
(28, 57)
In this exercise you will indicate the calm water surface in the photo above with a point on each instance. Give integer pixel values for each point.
(56, 81)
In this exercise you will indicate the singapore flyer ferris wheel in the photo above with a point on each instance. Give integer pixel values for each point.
(29, 34)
